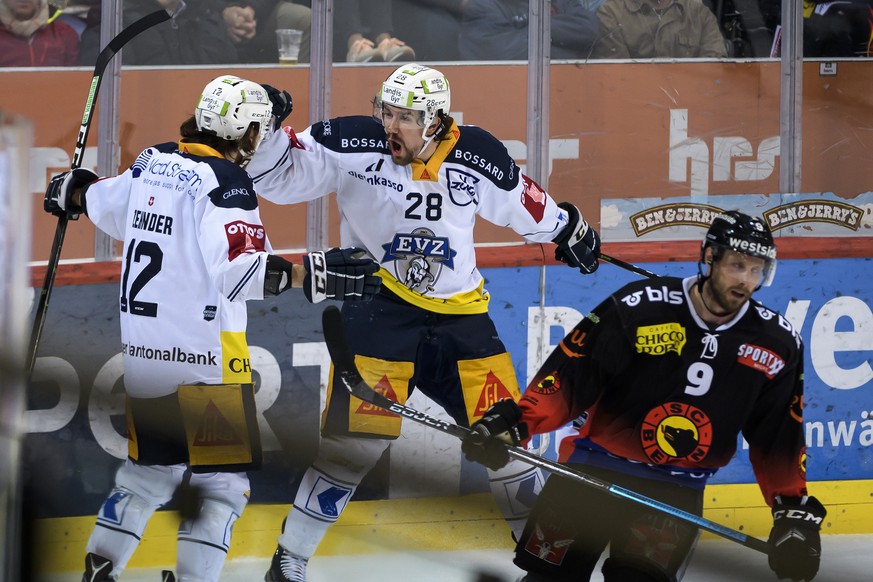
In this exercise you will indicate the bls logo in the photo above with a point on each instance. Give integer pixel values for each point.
(751, 166)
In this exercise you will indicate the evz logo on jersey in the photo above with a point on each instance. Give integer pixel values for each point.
(243, 237)
(658, 340)
(533, 198)
(462, 187)
(419, 257)
(760, 359)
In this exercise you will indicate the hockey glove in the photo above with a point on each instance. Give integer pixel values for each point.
(342, 274)
(283, 105)
(578, 243)
(59, 194)
(500, 426)
(278, 276)
(795, 538)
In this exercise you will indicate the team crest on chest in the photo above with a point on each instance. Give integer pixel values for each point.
(674, 431)
(419, 258)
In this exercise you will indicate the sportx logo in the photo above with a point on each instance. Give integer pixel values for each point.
(760, 359)
(688, 151)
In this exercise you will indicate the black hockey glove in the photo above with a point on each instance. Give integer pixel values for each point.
(500, 426)
(283, 105)
(58, 195)
(278, 277)
(578, 244)
(795, 538)
(343, 274)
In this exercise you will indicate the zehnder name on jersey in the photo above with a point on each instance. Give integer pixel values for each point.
(152, 222)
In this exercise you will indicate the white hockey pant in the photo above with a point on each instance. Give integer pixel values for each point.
(326, 488)
(139, 490)
(515, 487)
(203, 542)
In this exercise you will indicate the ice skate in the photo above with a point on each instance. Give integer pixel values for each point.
(286, 567)
(97, 569)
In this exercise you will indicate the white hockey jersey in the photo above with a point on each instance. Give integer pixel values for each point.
(416, 220)
(194, 251)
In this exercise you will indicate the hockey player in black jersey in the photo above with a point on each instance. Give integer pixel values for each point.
(665, 373)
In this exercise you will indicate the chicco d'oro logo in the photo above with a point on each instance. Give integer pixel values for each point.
(675, 431)
(657, 340)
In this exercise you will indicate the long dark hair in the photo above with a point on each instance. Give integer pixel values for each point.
(239, 151)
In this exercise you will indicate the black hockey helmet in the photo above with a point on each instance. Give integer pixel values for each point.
(735, 231)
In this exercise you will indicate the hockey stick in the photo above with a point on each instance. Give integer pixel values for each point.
(344, 364)
(628, 266)
(121, 39)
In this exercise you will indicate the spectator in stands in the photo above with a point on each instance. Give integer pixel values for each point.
(196, 36)
(368, 36)
(498, 30)
(838, 29)
(646, 29)
(251, 24)
(29, 37)
(434, 24)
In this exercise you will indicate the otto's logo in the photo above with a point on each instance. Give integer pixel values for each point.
(760, 359)
(676, 431)
(533, 198)
(243, 237)
(657, 340)
(548, 385)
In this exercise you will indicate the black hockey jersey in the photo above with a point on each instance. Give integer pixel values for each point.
(651, 383)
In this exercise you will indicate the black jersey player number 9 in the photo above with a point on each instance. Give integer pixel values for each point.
(433, 206)
(139, 251)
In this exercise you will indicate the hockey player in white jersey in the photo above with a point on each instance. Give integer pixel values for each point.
(194, 251)
(410, 183)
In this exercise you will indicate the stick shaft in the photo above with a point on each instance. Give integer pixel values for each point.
(103, 59)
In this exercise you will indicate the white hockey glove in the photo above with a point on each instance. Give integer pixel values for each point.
(343, 274)
(59, 194)
(578, 244)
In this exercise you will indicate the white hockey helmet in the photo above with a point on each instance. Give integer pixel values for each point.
(420, 88)
(229, 104)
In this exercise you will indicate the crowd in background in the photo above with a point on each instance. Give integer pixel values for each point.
(42, 33)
